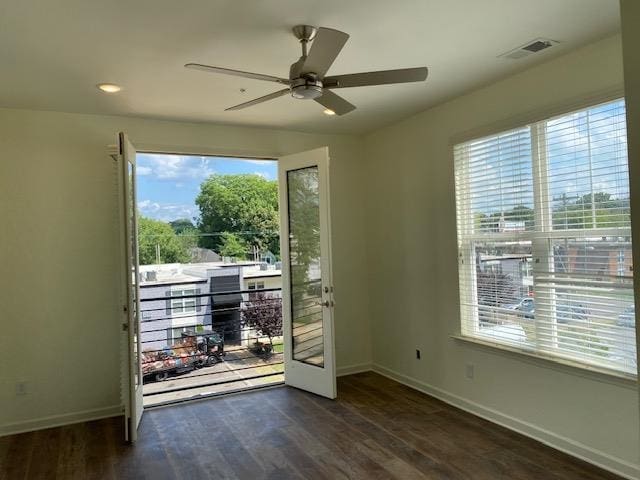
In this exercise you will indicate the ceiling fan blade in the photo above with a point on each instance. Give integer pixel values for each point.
(255, 101)
(325, 48)
(383, 77)
(237, 73)
(334, 102)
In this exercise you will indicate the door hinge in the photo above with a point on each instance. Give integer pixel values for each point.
(125, 327)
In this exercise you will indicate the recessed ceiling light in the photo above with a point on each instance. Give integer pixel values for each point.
(109, 87)
(328, 111)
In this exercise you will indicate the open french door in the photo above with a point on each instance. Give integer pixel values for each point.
(131, 378)
(307, 287)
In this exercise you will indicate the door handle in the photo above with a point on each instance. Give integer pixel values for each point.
(326, 303)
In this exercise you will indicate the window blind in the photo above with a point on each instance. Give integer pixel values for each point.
(544, 238)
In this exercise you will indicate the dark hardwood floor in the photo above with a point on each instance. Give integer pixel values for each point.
(377, 429)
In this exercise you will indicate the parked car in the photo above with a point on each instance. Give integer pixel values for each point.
(571, 312)
(526, 305)
(566, 311)
(628, 317)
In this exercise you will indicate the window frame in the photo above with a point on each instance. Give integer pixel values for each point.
(541, 239)
(179, 305)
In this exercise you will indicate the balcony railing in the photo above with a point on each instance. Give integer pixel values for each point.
(209, 343)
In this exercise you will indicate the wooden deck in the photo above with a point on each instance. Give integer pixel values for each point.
(377, 429)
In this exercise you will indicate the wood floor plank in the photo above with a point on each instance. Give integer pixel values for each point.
(427, 465)
(18, 456)
(71, 453)
(266, 437)
(101, 457)
(341, 440)
(175, 432)
(377, 429)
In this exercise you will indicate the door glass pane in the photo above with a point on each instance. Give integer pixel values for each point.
(304, 253)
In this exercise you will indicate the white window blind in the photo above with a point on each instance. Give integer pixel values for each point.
(544, 238)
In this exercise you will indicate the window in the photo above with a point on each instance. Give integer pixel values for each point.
(183, 305)
(544, 238)
(255, 286)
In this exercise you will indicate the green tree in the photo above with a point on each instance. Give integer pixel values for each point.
(304, 233)
(155, 233)
(491, 223)
(188, 237)
(232, 246)
(245, 205)
(263, 312)
(182, 224)
(588, 211)
(521, 213)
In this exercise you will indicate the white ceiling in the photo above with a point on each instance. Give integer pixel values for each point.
(54, 52)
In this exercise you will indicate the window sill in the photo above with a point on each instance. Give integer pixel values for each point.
(565, 365)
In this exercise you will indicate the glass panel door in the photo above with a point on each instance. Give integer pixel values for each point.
(306, 272)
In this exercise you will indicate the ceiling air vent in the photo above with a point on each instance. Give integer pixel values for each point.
(529, 48)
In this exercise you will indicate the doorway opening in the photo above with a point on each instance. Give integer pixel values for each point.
(210, 276)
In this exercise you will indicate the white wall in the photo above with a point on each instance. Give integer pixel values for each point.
(58, 289)
(630, 12)
(411, 232)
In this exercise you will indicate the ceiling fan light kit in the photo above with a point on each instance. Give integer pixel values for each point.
(307, 76)
(305, 88)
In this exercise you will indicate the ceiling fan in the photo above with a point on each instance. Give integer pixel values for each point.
(307, 77)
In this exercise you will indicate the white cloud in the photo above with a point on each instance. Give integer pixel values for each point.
(166, 211)
(264, 175)
(148, 205)
(174, 167)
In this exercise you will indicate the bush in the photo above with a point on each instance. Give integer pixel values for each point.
(264, 313)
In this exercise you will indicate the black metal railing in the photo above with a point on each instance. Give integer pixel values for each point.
(234, 333)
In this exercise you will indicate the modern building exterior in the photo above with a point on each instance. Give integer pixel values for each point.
(177, 297)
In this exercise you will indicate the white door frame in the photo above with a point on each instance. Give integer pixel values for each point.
(131, 380)
(317, 379)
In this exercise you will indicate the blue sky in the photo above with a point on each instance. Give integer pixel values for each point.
(592, 140)
(168, 184)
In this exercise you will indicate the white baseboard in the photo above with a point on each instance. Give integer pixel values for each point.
(59, 420)
(566, 445)
(351, 369)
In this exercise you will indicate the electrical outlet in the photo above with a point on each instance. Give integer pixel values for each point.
(469, 371)
(417, 354)
(22, 388)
